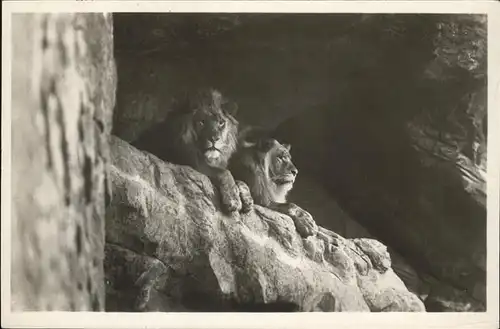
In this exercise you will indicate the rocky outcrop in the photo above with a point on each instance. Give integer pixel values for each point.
(326, 211)
(63, 93)
(169, 248)
(437, 294)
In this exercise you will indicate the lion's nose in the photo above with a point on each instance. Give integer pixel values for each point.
(214, 139)
(295, 171)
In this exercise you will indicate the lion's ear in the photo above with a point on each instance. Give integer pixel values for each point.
(265, 145)
(287, 146)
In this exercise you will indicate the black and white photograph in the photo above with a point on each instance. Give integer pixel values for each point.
(229, 160)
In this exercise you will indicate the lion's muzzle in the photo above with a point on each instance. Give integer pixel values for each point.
(212, 149)
(284, 179)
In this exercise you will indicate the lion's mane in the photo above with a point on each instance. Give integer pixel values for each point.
(174, 139)
(250, 164)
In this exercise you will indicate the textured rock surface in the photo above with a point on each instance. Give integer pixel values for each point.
(327, 213)
(63, 93)
(428, 208)
(437, 294)
(169, 248)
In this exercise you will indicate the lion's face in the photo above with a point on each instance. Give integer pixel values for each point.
(280, 168)
(211, 128)
(215, 134)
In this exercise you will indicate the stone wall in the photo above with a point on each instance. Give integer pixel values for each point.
(63, 94)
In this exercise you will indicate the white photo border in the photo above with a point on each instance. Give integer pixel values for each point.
(488, 319)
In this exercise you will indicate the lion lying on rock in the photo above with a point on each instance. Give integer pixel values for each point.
(167, 246)
(201, 132)
(266, 167)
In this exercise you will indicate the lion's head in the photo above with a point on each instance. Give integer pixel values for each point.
(206, 128)
(267, 168)
(279, 167)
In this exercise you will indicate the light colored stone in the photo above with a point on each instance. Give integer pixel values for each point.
(59, 154)
(164, 215)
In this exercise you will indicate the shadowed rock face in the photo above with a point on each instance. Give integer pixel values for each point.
(63, 93)
(408, 162)
(170, 248)
(431, 213)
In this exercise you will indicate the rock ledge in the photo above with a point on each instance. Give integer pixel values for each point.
(169, 248)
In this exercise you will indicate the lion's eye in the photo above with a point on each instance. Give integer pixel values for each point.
(222, 123)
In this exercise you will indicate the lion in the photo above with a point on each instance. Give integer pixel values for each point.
(266, 167)
(201, 132)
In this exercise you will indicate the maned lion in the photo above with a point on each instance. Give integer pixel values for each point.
(201, 132)
(266, 167)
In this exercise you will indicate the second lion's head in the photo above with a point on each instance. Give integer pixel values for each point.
(279, 168)
(267, 168)
(207, 128)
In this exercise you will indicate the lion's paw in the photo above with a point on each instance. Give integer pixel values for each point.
(245, 196)
(231, 200)
(304, 222)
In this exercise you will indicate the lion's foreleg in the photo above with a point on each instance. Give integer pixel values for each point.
(304, 222)
(245, 196)
(229, 191)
